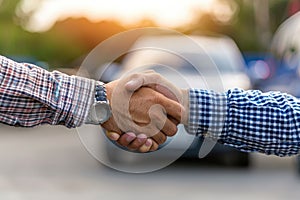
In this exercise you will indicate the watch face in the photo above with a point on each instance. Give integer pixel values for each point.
(102, 112)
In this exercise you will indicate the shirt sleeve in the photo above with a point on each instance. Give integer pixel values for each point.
(30, 95)
(250, 121)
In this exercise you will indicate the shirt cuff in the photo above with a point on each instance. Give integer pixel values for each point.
(75, 98)
(207, 113)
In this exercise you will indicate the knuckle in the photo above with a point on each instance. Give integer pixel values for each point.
(173, 130)
(157, 97)
(163, 139)
(160, 138)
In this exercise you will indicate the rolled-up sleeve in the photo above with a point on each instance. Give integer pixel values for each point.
(251, 121)
(30, 95)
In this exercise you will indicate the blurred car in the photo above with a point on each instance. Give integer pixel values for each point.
(219, 66)
(260, 66)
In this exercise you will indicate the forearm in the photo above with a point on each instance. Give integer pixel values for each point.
(31, 96)
(250, 121)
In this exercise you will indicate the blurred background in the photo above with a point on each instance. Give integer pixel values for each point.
(51, 163)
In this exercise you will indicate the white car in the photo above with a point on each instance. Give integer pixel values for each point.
(189, 62)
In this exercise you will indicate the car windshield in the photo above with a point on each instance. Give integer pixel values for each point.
(202, 62)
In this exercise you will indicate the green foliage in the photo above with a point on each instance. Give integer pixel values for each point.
(54, 49)
(7, 9)
(277, 13)
(243, 29)
(72, 38)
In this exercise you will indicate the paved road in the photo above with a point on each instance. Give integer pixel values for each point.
(50, 163)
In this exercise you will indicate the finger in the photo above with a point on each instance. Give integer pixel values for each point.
(154, 146)
(135, 83)
(126, 139)
(169, 129)
(147, 146)
(164, 87)
(138, 80)
(156, 82)
(165, 91)
(172, 108)
(161, 121)
(112, 135)
(138, 142)
(159, 138)
(174, 121)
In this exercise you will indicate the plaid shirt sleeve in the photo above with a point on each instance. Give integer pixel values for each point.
(30, 95)
(250, 121)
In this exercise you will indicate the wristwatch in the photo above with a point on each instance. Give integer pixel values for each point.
(100, 110)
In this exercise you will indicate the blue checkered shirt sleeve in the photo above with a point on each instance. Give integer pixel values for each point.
(30, 95)
(250, 121)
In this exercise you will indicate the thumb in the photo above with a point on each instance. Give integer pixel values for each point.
(134, 83)
(166, 92)
(146, 78)
(155, 81)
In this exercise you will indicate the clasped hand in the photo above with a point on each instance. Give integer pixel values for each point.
(146, 109)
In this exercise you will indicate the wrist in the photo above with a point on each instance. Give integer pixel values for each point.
(185, 104)
(109, 90)
(207, 112)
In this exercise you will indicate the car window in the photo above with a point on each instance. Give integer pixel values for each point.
(225, 62)
(208, 64)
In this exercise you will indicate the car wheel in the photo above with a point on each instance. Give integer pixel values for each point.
(236, 159)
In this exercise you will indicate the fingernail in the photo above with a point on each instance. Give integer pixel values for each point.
(141, 137)
(131, 82)
(130, 137)
(114, 136)
(148, 143)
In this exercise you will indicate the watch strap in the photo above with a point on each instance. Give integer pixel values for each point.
(99, 97)
(100, 92)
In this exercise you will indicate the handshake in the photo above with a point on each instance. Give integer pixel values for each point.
(146, 109)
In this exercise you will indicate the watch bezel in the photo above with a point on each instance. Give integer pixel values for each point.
(105, 105)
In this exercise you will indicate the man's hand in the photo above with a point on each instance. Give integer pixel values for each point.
(142, 143)
(161, 85)
(158, 83)
(144, 111)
